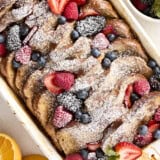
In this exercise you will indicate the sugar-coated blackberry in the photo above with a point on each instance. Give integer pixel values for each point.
(155, 82)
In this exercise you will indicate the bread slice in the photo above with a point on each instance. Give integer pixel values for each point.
(142, 111)
(112, 109)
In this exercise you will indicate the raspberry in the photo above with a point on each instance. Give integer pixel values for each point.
(141, 87)
(2, 50)
(108, 30)
(61, 117)
(23, 55)
(71, 11)
(100, 41)
(64, 80)
(143, 140)
(157, 115)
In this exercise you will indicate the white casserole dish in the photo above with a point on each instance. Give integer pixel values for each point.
(19, 110)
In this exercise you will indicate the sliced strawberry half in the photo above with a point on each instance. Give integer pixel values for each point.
(128, 151)
(108, 29)
(93, 146)
(154, 127)
(151, 122)
(128, 93)
(49, 83)
(57, 6)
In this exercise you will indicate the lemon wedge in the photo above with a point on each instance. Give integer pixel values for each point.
(9, 150)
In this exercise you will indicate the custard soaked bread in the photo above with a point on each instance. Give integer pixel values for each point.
(83, 74)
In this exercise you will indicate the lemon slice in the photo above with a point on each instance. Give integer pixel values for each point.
(34, 157)
(9, 150)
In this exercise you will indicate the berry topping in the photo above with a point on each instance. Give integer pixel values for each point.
(93, 146)
(108, 30)
(64, 80)
(57, 7)
(69, 101)
(128, 93)
(141, 87)
(128, 151)
(2, 50)
(71, 11)
(157, 134)
(100, 41)
(16, 64)
(13, 38)
(2, 38)
(112, 55)
(157, 116)
(85, 118)
(62, 20)
(87, 13)
(78, 115)
(155, 82)
(23, 55)
(61, 117)
(140, 4)
(75, 35)
(80, 2)
(134, 97)
(157, 70)
(95, 52)
(84, 153)
(143, 140)
(151, 122)
(75, 156)
(35, 56)
(24, 30)
(49, 83)
(143, 130)
(106, 63)
(111, 37)
(153, 127)
(90, 25)
(152, 63)
(42, 61)
(82, 94)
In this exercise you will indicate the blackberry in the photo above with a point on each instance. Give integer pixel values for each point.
(13, 38)
(69, 101)
(155, 82)
(90, 25)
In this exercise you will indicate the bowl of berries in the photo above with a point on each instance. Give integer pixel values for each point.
(148, 10)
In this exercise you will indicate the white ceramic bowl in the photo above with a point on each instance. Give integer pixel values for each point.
(141, 15)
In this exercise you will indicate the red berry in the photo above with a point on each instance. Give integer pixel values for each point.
(23, 55)
(140, 5)
(57, 6)
(128, 151)
(141, 87)
(151, 122)
(153, 127)
(64, 80)
(128, 93)
(75, 156)
(100, 41)
(93, 146)
(108, 30)
(88, 12)
(71, 11)
(157, 116)
(143, 140)
(80, 2)
(61, 117)
(2, 50)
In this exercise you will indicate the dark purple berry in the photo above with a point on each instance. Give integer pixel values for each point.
(95, 52)
(62, 20)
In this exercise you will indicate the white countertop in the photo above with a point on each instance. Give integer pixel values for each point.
(10, 125)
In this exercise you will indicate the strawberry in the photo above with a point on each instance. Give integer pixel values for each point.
(88, 12)
(48, 81)
(128, 93)
(57, 6)
(71, 11)
(100, 41)
(154, 127)
(75, 156)
(64, 80)
(108, 30)
(141, 87)
(157, 116)
(61, 117)
(128, 151)
(151, 122)
(2, 50)
(143, 140)
(23, 55)
(80, 2)
(93, 146)
(140, 5)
